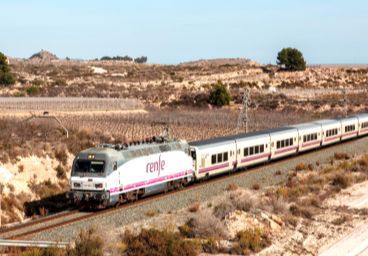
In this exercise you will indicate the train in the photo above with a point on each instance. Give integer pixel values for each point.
(112, 174)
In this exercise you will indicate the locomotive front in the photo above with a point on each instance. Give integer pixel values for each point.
(89, 181)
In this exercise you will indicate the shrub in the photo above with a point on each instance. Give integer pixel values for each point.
(292, 221)
(181, 79)
(60, 82)
(256, 186)
(150, 213)
(232, 186)
(184, 230)
(209, 204)
(278, 172)
(342, 180)
(19, 94)
(87, 243)
(341, 220)
(300, 167)
(60, 172)
(310, 167)
(206, 225)
(37, 82)
(33, 90)
(223, 209)
(317, 163)
(194, 207)
(219, 96)
(7, 79)
(341, 156)
(156, 242)
(246, 202)
(251, 239)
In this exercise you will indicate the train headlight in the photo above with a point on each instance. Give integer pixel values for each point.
(77, 185)
(100, 185)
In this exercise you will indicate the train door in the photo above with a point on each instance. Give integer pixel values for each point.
(193, 154)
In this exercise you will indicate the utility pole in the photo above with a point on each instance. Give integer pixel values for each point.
(244, 112)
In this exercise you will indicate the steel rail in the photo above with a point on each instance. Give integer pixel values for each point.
(190, 187)
(24, 243)
(38, 221)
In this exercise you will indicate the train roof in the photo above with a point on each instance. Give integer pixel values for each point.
(242, 136)
(306, 126)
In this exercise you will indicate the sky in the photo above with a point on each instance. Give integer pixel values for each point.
(173, 32)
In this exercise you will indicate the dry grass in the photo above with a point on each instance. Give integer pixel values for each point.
(194, 207)
(256, 186)
(341, 156)
(232, 186)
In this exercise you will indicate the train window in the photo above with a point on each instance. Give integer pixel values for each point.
(286, 143)
(261, 149)
(256, 149)
(213, 159)
(251, 151)
(315, 136)
(226, 157)
(336, 131)
(308, 137)
(305, 138)
(193, 154)
(115, 166)
(278, 144)
(219, 158)
(282, 144)
(291, 142)
(246, 152)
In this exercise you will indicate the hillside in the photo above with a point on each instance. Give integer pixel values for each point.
(222, 61)
(44, 56)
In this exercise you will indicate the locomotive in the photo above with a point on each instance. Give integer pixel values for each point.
(111, 174)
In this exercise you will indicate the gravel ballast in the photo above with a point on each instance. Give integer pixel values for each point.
(265, 176)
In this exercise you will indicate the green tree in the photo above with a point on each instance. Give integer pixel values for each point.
(5, 76)
(219, 95)
(4, 66)
(292, 58)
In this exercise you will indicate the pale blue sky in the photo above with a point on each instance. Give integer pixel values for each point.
(170, 32)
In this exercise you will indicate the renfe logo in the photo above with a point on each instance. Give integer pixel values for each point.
(156, 166)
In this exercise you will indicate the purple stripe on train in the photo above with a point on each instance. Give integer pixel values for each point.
(349, 134)
(149, 182)
(310, 144)
(364, 130)
(212, 168)
(285, 150)
(235, 162)
(332, 138)
(248, 159)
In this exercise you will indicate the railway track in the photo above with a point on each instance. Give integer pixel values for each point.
(66, 219)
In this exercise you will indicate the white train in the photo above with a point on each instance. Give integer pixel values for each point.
(112, 174)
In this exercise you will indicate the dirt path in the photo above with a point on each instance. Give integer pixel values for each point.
(354, 244)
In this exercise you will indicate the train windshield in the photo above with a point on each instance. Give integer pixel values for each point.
(86, 166)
